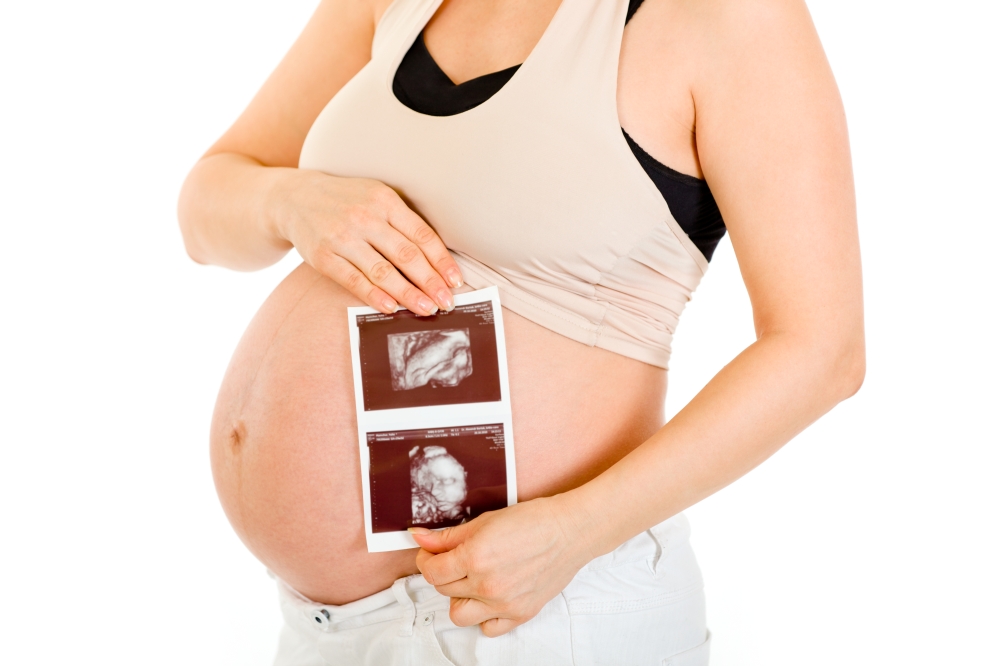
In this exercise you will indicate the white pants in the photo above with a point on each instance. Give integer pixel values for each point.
(639, 605)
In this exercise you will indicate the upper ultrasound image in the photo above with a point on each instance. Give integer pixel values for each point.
(434, 358)
(446, 359)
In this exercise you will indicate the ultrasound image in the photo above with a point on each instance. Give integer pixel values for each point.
(435, 358)
(449, 358)
(438, 486)
(435, 477)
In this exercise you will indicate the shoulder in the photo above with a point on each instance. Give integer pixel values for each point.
(713, 36)
(363, 14)
(754, 42)
(702, 62)
(746, 21)
(377, 8)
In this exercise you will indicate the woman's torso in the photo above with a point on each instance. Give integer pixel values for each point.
(536, 190)
(284, 444)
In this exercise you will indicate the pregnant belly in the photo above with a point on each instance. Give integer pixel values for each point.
(285, 448)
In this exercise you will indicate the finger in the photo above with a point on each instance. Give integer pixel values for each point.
(408, 258)
(440, 541)
(381, 273)
(463, 588)
(423, 556)
(498, 626)
(443, 569)
(419, 232)
(467, 612)
(346, 274)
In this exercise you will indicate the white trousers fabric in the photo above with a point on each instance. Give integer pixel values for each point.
(640, 605)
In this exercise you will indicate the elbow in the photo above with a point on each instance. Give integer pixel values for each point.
(186, 221)
(190, 245)
(192, 249)
(832, 366)
(848, 366)
(854, 370)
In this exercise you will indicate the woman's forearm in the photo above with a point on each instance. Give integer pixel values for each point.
(237, 213)
(757, 403)
(501, 568)
(227, 212)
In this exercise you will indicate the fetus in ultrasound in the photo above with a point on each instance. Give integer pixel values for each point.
(435, 358)
(437, 486)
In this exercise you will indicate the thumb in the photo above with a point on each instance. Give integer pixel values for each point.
(439, 541)
(497, 626)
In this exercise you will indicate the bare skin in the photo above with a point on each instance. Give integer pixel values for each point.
(739, 92)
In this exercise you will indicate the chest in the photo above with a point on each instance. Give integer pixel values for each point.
(538, 181)
(658, 63)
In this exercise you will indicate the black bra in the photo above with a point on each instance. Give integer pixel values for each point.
(420, 84)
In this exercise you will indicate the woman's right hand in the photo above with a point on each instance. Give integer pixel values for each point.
(360, 234)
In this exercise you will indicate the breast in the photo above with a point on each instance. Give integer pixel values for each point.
(285, 447)
(494, 181)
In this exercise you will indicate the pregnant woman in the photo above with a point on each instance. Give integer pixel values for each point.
(581, 155)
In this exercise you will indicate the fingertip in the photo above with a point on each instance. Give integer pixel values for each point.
(454, 277)
(426, 306)
(497, 626)
(425, 538)
(381, 301)
(445, 300)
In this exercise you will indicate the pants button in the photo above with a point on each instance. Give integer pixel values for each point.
(322, 618)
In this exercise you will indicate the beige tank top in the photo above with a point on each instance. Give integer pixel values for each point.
(535, 190)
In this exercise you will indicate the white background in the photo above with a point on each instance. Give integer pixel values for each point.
(870, 539)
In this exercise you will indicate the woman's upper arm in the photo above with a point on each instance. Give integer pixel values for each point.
(772, 140)
(333, 47)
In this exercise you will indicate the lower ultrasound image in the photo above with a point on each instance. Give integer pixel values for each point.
(436, 477)
(438, 486)
(445, 359)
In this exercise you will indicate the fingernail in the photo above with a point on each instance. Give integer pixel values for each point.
(444, 298)
(389, 306)
(427, 306)
(455, 278)
(418, 530)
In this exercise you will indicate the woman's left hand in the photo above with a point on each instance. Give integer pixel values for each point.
(502, 567)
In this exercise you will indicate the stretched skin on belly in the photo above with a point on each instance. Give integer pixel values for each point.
(284, 438)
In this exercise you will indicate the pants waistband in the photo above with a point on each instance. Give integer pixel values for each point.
(410, 597)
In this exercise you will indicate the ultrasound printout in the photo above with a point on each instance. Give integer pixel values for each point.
(434, 419)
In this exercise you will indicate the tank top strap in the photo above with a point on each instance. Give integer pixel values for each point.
(577, 56)
(399, 26)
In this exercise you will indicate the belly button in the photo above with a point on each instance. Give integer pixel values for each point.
(237, 434)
